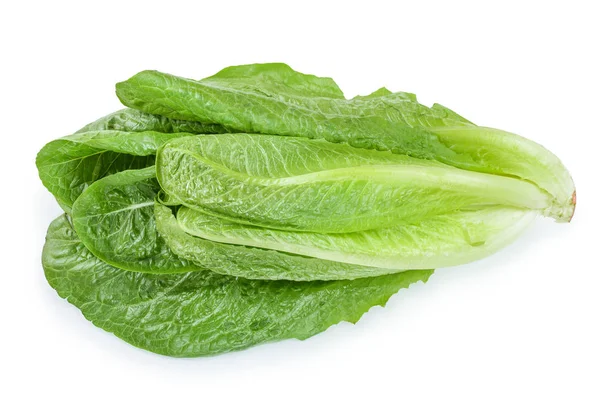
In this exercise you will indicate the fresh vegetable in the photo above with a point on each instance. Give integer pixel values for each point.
(119, 222)
(130, 120)
(245, 99)
(126, 139)
(115, 220)
(259, 204)
(202, 313)
(440, 241)
(291, 183)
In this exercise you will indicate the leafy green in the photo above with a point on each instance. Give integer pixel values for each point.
(68, 165)
(313, 185)
(275, 77)
(274, 99)
(305, 210)
(254, 262)
(440, 241)
(504, 153)
(201, 313)
(131, 120)
(241, 99)
(114, 218)
(126, 139)
(117, 220)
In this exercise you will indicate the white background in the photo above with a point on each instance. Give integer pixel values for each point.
(522, 324)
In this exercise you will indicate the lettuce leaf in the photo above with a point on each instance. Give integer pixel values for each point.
(202, 313)
(316, 186)
(119, 222)
(276, 100)
(440, 241)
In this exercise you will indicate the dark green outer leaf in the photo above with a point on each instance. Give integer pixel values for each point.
(126, 139)
(386, 121)
(201, 313)
(67, 166)
(114, 218)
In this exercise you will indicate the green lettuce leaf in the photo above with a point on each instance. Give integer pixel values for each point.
(440, 241)
(261, 79)
(503, 153)
(201, 313)
(393, 121)
(67, 166)
(114, 218)
(254, 262)
(313, 185)
(131, 120)
(274, 99)
(119, 222)
(126, 139)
